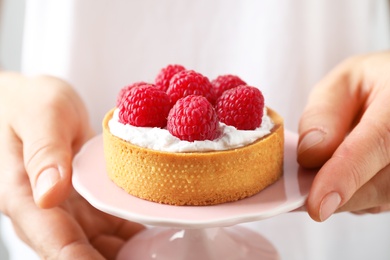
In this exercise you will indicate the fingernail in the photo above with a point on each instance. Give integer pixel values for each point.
(310, 139)
(329, 205)
(46, 180)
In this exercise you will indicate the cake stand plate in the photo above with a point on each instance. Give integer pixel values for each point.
(186, 231)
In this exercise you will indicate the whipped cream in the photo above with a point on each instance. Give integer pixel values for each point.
(160, 139)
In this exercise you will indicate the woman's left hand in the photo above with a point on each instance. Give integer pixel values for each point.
(345, 130)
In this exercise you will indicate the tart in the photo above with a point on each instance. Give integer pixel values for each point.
(246, 139)
(195, 178)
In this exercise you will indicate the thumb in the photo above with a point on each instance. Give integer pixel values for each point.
(49, 132)
(47, 157)
(48, 167)
(327, 118)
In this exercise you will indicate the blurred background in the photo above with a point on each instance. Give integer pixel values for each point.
(11, 31)
(12, 13)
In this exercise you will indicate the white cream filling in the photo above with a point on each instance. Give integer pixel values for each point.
(160, 139)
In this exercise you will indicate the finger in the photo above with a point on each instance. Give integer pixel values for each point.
(374, 210)
(51, 233)
(365, 152)
(48, 132)
(47, 154)
(117, 233)
(372, 197)
(13, 175)
(328, 117)
(107, 233)
(108, 246)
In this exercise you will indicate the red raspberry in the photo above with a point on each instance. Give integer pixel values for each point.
(193, 118)
(241, 107)
(165, 75)
(127, 88)
(225, 82)
(145, 106)
(189, 82)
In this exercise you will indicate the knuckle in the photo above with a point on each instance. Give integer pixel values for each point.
(35, 153)
(383, 186)
(356, 177)
(354, 168)
(381, 140)
(379, 209)
(365, 154)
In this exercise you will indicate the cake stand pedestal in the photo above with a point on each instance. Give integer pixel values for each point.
(192, 232)
(194, 244)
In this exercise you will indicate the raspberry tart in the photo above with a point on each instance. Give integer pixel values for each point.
(189, 144)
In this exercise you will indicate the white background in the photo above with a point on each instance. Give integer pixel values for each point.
(11, 28)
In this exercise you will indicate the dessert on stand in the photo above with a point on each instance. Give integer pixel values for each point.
(192, 158)
(188, 141)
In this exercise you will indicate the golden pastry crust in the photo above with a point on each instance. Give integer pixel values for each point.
(204, 178)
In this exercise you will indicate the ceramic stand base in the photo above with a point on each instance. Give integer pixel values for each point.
(193, 244)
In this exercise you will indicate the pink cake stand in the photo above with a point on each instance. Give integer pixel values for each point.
(186, 232)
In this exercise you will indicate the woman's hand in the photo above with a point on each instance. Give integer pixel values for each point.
(345, 128)
(43, 124)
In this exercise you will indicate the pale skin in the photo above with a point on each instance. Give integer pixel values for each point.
(43, 123)
(349, 110)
